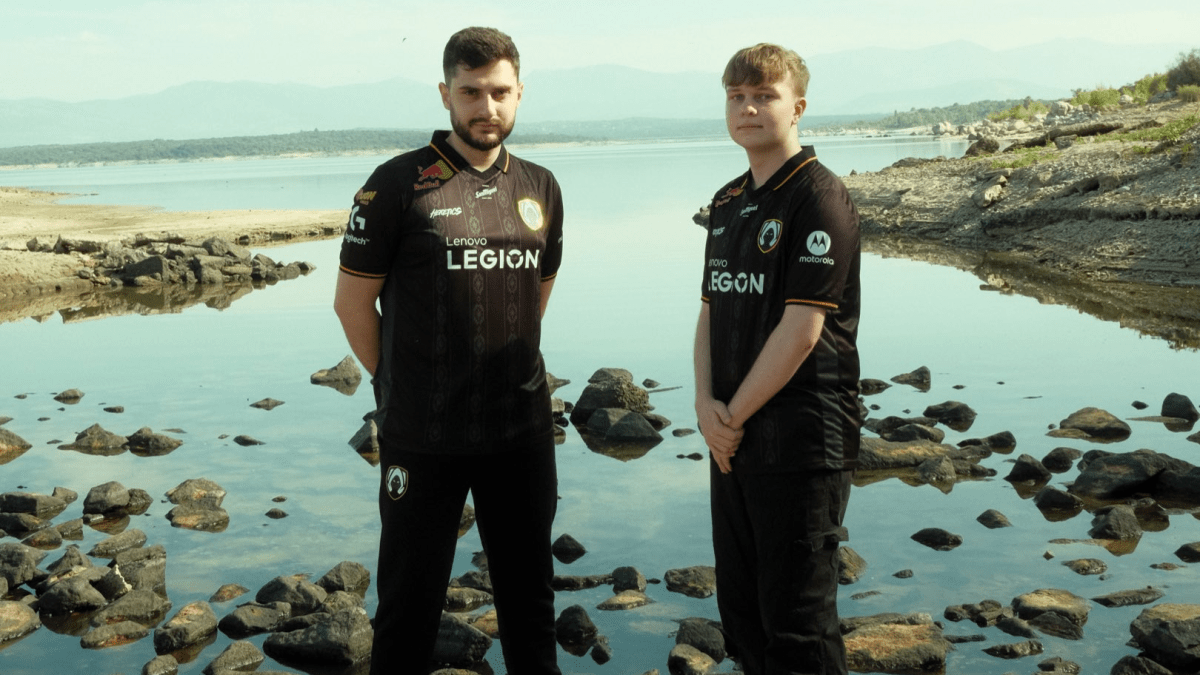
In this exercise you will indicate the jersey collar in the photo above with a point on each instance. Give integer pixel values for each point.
(441, 145)
(806, 156)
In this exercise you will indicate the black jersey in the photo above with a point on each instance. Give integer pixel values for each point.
(793, 240)
(463, 253)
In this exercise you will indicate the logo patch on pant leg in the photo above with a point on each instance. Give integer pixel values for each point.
(396, 482)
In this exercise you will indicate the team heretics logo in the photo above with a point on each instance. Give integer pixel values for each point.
(818, 243)
(768, 235)
(531, 213)
(396, 482)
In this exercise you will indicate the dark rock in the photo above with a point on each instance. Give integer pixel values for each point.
(146, 443)
(1116, 476)
(1059, 460)
(870, 387)
(344, 377)
(16, 619)
(12, 446)
(687, 660)
(139, 502)
(628, 599)
(602, 652)
(72, 557)
(21, 524)
(574, 627)
(904, 574)
(993, 519)
(266, 404)
(1137, 596)
(1057, 625)
(276, 514)
(1138, 665)
(938, 539)
(566, 582)
(239, 656)
(615, 392)
(142, 606)
(851, 565)
(1189, 553)
(1179, 486)
(143, 568)
(1002, 442)
(628, 579)
(69, 396)
(1180, 406)
(108, 498)
(192, 624)
(247, 441)
(74, 594)
(1028, 468)
(902, 647)
(303, 595)
(1051, 498)
(347, 576)
(704, 635)
(39, 506)
(113, 635)
(1115, 522)
(1059, 666)
(1093, 423)
(567, 550)
(609, 374)
(914, 432)
(954, 414)
(919, 378)
(337, 639)
(1086, 566)
(1030, 605)
(1015, 651)
(477, 579)
(110, 547)
(95, 440)
(680, 433)
(254, 618)
(1016, 627)
(699, 581)
(199, 517)
(1169, 634)
(460, 599)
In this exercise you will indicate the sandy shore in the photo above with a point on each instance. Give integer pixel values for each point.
(26, 276)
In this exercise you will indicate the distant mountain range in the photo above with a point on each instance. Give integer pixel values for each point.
(856, 82)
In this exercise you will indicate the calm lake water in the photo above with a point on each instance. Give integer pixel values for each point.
(627, 296)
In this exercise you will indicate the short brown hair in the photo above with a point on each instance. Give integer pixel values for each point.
(473, 47)
(766, 63)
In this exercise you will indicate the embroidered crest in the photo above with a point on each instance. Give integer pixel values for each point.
(396, 482)
(438, 170)
(768, 235)
(729, 195)
(531, 213)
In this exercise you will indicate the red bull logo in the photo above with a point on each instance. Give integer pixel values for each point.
(438, 171)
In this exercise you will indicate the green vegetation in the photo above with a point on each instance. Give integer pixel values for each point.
(955, 114)
(1185, 72)
(1168, 133)
(1189, 93)
(1026, 157)
(1027, 110)
(1099, 98)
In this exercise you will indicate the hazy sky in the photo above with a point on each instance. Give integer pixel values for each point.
(76, 50)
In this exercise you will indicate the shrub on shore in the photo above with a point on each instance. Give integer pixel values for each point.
(1185, 72)
(1189, 93)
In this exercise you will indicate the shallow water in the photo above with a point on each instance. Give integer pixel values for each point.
(627, 296)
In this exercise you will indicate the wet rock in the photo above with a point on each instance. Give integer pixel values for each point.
(940, 470)
(1092, 423)
(1059, 460)
(276, 514)
(914, 432)
(12, 446)
(161, 665)
(366, 440)
(657, 422)
(254, 618)
(1138, 665)
(628, 579)
(704, 635)
(143, 568)
(16, 620)
(69, 396)
(1059, 666)
(1057, 625)
(993, 519)
(574, 628)
(68, 496)
(611, 392)
(1179, 486)
(72, 557)
(870, 387)
(1086, 566)
(937, 539)
(477, 579)
(228, 592)
(699, 581)
(1180, 406)
(1115, 476)
(198, 517)
(1136, 596)
(347, 576)
(1115, 522)
(114, 635)
(342, 639)
(567, 582)
(897, 647)
(677, 433)
(567, 550)
(1189, 553)
(1016, 627)
(139, 501)
(110, 547)
(246, 441)
(881, 455)
(143, 606)
(75, 594)
(629, 599)
(1030, 605)
(146, 443)
(344, 377)
(112, 585)
(21, 524)
(460, 599)
(303, 595)
(919, 379)
(1028, 468)
(609, 374)
(1016, 650)
(1051, 498)
(239, 656)
(486, 623)
(954, 414)
(95, 440)
(602, 652)
(196, 491)
(616, 425)
(1002, 442)
(192, 624)
(39, 506)
(1169, 634)
(851, 565)
(266, 404)
(107, 498)
(687, 660)
(71, 530)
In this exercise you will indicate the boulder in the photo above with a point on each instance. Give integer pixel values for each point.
(339, 639)
(685, 659)
(1086, 566)
(110, 547)
(199, 491)
(18, 563)
(146, 443)
(192, 624)
(993, 519)
(615, 392)
(954, 414)
(254, 618)
(1116, 476)
(628, 579)
(107, 498)
(95, 440)
(303, 595)
(851, 565)
(629, 599)
(39, 506)
(919, 379)
(1056, 601)
(1116, 522)
(12, 446)
(574, 628)
(238, 656)
(74, 594)
(699, 581)
(937, 539)
(1016, 650)
(1180, 406)
(199, 517)
(143, 606)
(143, 568)
(1093, 423)
(113, 635)
(1028, 468)
(344, 377)
(1179, 486)
(347, 576)
(1170, 634)
(1059, 460)
(1136, 596)
(567, 549)
(896, 648)
(16, 620)
(703, 634)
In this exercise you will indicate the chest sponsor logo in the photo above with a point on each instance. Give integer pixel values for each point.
(728, 196)
(531, 213)
(487, 192)
(442, 213)
(718, 232)
(432, 176)
(769, 235)
(490, 258)
(818, 244)
(364, 197)
(748, 210)
(720, 281)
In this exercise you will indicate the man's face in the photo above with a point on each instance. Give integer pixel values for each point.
(483, 103)
(763, 116)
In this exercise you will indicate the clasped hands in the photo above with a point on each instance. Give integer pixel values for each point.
(720, 434)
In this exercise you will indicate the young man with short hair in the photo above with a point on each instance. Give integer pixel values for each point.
(777, 376)
(460, 242)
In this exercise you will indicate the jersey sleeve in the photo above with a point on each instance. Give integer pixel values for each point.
(822, 239)
(371, 237)
(552, 258)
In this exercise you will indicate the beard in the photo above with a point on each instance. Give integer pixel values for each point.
(480, 143)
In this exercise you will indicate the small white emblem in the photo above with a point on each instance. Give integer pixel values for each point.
(818, 243)
(768, 235)
(396, 482)
(531, 213)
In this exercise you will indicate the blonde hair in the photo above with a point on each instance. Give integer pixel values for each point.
(765, 63)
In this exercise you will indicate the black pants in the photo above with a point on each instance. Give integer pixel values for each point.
(775, 537)
(515, 496)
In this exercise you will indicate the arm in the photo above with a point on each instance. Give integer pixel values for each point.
(544, 291)
(787, 346)
(354, 303)
(711, 415)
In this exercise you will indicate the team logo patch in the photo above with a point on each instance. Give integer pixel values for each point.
(818, 243)
(729, 195)
(438, 171)
(363, 198)
(396, 482)
(531, 213)
(768, 235)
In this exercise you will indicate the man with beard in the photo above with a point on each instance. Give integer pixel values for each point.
(460, 242)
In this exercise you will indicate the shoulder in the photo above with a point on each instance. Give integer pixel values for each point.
(528, 169)
(729, 191)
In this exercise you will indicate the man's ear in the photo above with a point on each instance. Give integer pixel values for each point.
(520, 92)
(801, 104)
(445, 92)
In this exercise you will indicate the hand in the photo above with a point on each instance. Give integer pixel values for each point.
(722, 439)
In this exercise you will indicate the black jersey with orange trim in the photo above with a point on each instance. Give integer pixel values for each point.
(463, 254)
(795, 239)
